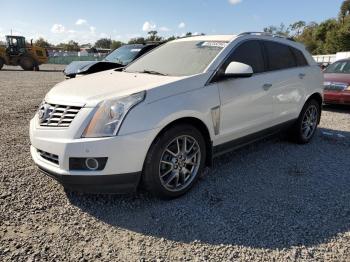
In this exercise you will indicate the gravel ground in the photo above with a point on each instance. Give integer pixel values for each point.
(270, 201)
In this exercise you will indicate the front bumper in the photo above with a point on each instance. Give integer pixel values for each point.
(105, 184)
(337, 97)
(125, 158)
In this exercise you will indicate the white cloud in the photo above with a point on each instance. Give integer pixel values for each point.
(234, 2)
(148, 26)
(164, 29)
(92, 29)
(58, 29)
(195, 33)
(81, 22)
(83, 35)
(181, 25)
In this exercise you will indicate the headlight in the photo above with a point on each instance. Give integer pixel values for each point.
(110, 115)
(336, 86)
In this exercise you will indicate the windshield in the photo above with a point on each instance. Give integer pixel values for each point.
(182, 58)
(341, 67)
(124, 55)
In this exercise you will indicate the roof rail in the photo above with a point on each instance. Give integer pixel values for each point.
(267, 34)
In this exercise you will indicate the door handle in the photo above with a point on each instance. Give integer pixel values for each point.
(302, 75)
(267, 86)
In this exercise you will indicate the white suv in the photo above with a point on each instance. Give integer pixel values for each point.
(164, 117)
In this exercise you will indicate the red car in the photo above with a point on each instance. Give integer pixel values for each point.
(337, 83)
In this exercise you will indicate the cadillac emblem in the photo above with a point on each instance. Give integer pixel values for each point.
(43, 112)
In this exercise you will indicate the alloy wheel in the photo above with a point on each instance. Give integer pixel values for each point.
(179, 163)
(309, 122)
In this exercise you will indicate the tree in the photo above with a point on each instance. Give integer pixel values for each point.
(281, 30)
(116, 44)
(297, 28)
(70, 46)
(42, 43)
(153, 37)
(344, 9)
(171, 38)
(137, 40)
(103, 43)
(188, 34)
(307, 37)
(328, 37)
(270, 29)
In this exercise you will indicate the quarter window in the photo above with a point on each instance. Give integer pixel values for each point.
(279, 56)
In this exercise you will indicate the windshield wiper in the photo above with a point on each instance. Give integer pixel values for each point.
(152, 72)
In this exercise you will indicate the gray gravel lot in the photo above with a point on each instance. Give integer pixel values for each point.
(269, 201)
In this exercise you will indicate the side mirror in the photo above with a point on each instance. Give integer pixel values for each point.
(236, 69)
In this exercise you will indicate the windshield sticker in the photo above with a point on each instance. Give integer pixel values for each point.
(135, 50)
(215, 44)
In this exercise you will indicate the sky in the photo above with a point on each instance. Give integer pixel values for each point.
(87, 21)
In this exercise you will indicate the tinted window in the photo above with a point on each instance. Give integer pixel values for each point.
(249, 53)
(299, 56)
(279, 56)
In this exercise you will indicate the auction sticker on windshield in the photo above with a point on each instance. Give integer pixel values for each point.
(215, 44)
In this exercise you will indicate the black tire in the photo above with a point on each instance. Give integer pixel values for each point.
(2, 62)
(27, 63)
(298, 131)
(152, 169)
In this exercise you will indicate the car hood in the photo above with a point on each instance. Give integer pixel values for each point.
(77, 67)
(92, 89)
(340, 78)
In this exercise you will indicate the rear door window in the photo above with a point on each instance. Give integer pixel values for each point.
(299, 56)
(279, 56)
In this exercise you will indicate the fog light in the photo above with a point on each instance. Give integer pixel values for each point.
(91, 163)
(87, 164)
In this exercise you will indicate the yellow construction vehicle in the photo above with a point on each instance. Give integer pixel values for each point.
(18, 52)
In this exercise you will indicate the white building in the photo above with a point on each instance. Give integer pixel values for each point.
(329, 59)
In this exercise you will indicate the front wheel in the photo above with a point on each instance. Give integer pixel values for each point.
(27, 63)
(174, 162)
(306, 125)
(2, 62)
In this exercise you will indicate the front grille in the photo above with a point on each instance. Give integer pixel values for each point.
(48, 156)
(57, 115)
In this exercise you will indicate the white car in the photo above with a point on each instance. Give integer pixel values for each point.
(164, 117)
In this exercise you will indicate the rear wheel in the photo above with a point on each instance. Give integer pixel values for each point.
(174, 162)
(306, 125)
(27, 63)
(2, 62)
